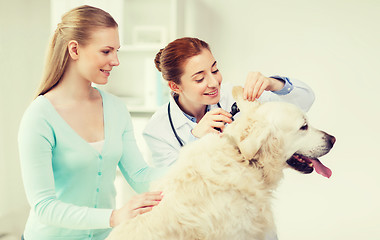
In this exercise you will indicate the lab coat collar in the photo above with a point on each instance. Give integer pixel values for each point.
(178, 118)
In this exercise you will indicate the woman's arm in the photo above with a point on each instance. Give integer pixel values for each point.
(132, 164)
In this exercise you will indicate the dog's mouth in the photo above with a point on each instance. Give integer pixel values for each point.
(307, 165)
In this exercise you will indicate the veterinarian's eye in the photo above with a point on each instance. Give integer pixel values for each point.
(304, 127)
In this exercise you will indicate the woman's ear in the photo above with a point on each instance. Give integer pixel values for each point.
(174, 87)
(72, 47)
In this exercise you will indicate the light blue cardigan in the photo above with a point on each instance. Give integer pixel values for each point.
(69, 185)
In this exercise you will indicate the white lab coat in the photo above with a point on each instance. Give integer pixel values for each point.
(162, 142)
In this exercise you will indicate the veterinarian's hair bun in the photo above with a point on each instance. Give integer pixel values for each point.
(157, 61)
(170, 60)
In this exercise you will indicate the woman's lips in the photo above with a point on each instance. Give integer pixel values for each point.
(106, 72)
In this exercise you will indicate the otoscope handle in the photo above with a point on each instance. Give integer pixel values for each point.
(234, 109)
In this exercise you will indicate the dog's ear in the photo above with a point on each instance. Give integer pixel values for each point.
(237, 92)
(244, 105)
(252, 139)
(253, 133)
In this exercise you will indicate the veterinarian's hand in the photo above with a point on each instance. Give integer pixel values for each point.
(256, 83)
(216, 118)
(137, 205)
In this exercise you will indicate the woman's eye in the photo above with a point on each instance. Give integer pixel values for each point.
(106, 51)
(199, 80)
(217, 70)
(304, 127)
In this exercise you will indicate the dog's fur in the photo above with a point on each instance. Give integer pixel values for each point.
(221, 186)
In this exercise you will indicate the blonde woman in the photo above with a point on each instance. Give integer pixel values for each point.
(72, 137)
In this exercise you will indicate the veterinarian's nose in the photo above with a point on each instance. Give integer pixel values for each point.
(212, 81)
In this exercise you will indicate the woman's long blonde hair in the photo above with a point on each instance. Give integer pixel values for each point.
(77, 24)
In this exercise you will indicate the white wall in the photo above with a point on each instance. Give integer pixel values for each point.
(333, 46)
(24, 32)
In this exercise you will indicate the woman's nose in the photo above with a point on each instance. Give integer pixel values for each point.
(115, 61)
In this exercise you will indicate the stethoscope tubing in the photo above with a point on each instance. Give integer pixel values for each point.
(173, 129)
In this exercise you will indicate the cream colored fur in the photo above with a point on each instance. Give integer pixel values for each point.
(221, 186)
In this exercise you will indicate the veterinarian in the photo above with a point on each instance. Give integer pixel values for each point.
(73, 136)
(200, 103)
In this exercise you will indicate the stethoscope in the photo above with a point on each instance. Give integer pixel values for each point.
(234, 110)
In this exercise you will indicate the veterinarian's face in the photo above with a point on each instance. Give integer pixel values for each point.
(96, 59)
(200, 83)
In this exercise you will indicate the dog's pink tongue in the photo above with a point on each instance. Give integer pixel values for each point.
(321, 169)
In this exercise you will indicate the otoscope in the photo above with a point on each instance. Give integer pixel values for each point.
(234, 109)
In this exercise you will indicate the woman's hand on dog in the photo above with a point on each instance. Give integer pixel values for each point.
(256, 83)
(137, 205)
(215, 118)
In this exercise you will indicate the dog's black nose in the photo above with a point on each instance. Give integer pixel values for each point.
(331, 139)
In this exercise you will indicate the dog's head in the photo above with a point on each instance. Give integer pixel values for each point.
(278, 131)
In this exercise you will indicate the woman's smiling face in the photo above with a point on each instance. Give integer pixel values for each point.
(99, 56)
(201, 79)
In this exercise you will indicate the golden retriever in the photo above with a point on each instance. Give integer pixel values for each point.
(221, 186)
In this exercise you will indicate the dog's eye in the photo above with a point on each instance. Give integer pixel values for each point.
(304, 127)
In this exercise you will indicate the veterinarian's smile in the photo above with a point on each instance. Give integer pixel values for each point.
(214, 93)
